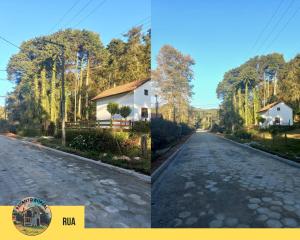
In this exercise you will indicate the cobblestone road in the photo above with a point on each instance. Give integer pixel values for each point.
(216, 183)
(112, 199)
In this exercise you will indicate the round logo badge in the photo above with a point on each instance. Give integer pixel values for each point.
(32, 216)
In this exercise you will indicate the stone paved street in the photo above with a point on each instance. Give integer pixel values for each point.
(216, 183)
(112, 199)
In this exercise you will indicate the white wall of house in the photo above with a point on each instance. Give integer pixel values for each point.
(142, 101)
(135, 99)
(281, 111)
(121, 99)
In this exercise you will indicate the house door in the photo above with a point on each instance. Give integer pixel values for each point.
(38, 222)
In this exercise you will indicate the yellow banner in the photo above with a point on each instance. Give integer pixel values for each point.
(64, 217)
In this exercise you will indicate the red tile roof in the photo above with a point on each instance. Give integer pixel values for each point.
(128, 87)
(267, 107)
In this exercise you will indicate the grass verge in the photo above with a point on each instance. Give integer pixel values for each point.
(286, 147)
(141, 165)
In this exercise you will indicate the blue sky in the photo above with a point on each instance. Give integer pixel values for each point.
(21, 20)
(220, 35)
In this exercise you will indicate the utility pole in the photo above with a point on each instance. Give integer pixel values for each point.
(264, 88)
(275, 84)
(63, 97)
(156, 106)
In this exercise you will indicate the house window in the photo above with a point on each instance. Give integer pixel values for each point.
(146, 92)
(278, 109)
(144, 113)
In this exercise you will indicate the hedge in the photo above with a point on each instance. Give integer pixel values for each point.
(164, 132)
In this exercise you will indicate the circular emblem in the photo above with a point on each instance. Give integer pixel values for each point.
(31, 216)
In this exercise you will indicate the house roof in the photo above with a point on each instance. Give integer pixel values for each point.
(128, 87)
(267, 107)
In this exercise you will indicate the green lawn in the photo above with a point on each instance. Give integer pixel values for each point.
(30, 231)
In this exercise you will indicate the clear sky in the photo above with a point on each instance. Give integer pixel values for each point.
(21, 20)
(222, 34)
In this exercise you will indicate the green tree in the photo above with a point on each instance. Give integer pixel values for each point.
(249, 81)
(125, 111)
(289, 86)
(53, 97)
(173, 82)
(44, 94)
(90, 68)
(112, 108)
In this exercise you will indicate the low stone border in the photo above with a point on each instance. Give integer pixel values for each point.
(281, 159)
(140, 176)
(155, 175)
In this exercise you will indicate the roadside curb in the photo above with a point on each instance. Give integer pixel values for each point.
(281, 159)
(140, 176)
(155, 175)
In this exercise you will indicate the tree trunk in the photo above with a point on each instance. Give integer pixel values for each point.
(80, 91)
(87, 91)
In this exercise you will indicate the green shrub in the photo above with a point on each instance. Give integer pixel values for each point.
(29, 131)
(102, 140)
(185, 129)
(51, 129)
(4, 126)
(125, 111)
(217, 129)
(164, 132)
(242, 134)
(141, 127)
(12, 129)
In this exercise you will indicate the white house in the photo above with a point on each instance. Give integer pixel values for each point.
(32, 217)
(277, 113)
(136, 95)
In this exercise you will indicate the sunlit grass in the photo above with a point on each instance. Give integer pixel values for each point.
(31, 231)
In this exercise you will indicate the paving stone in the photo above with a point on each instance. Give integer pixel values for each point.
(220, 216)
(201, 214)
(253, 206)
(262, 218)
(184, 214)
(274, 223)
(189, 185)
(250, 187)
(211, 212)
(289, 222)
(276, 208)
(187, 195)
(289, 208)
(263, 210)
(121, 225)
(267, 199)
(191, 221)
(177, 222)
(274, 215)
(254, 200)
(111, 209)
(73, 182)
(216, 224)
(243, 226)
(231, 222)
(279, 203)
(213, 189)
